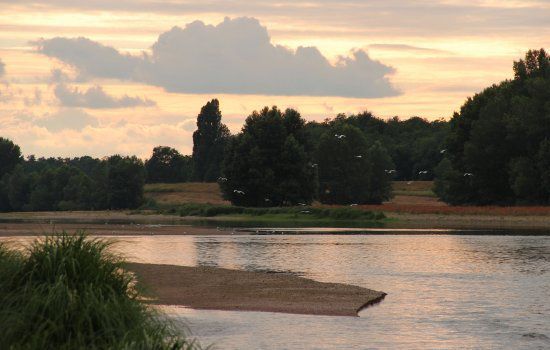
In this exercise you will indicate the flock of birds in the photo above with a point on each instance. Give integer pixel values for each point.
(341, 136)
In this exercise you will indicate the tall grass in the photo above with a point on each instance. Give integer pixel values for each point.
(68, 292)
(334, 213)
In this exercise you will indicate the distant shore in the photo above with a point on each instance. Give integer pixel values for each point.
(111, 223)
(224, 289)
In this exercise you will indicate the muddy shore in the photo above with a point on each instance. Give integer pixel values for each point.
(224, 289)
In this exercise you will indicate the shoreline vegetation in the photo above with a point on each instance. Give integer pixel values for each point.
(68, 292)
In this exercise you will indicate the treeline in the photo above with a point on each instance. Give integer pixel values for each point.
(496, 150)
(83, 183)
(498, 147)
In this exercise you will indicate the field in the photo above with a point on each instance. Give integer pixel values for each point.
(410, 197)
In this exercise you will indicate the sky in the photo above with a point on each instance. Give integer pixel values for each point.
(100, 77)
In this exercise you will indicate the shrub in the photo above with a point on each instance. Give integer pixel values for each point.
(68, 292)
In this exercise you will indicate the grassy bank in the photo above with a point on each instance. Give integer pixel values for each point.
(276, 215)
(67, 292)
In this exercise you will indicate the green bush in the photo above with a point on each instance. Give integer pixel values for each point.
(68, 292)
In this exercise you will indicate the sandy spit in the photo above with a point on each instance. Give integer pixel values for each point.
(224, 289)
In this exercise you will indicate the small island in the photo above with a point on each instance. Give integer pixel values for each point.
(224, 289)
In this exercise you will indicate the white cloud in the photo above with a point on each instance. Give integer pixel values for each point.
(95, 97)
(66, 119)
(235, 56)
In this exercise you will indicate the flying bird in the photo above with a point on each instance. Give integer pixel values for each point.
(443, 151)
(359, 156)
(339, 136)
(468, 174)
(222, 179)
(238, 192)
(391, 171)
(353, 205)
(422, 172)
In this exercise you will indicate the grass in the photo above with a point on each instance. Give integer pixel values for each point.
(68, 292)
(277, 214)
(413, 188)
(187, 192)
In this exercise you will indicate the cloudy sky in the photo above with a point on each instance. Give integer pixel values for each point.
(101, 77)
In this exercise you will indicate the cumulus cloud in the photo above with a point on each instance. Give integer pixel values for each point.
(35, 100)
(235, 56)
(67, 119)
(95, 97)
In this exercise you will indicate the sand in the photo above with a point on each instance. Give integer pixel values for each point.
(224, 289)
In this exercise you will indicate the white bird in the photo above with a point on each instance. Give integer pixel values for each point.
(314, 165)
(238, 192)
(422, 172)
(391, 171)
(353, 205)
(443, 151)
(339, 136)
(267, 199)
(359, 156)
(302, 204)
(305, 212)
(409, 182)
(468, 174)
(222, 179)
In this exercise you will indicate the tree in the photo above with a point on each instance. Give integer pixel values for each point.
(125, 181)
(495, 141)
(266, 164)
(351, 172)
(10, 156)
(167, 165)
(209, 141)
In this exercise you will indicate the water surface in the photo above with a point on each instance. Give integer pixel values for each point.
(444, 291)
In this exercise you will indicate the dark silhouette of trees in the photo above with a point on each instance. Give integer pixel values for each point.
(414, 144)
(267, 164)
(168, 165)
(10, 156)
(82, 183)
(125, 180)
(349, 170)
(209, 142)
(497, 147)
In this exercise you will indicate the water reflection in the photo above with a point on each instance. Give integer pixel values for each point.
(444, 291)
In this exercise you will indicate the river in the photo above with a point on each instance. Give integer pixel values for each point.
(445, 291)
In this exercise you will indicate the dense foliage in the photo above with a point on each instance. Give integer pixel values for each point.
(266, 164)
(351, 172)
(10, 156)
(414, 144)
(73, 184)
(498, 148)
(167, 165)
(209, 142)
(68, 292)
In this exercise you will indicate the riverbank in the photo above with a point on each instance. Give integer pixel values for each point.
(224, 289)
(109, 223)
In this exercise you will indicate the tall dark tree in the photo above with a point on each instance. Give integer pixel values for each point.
(209, 142)
(495, 143)
(125, 181)
(167, 165)
(267, 164)
(10, 156)
(349, 170)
